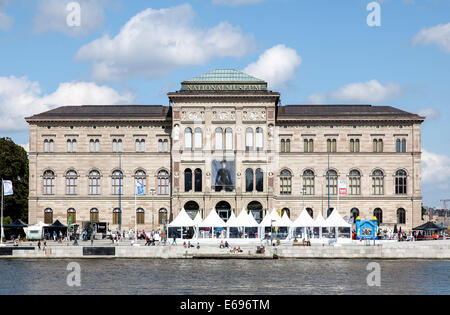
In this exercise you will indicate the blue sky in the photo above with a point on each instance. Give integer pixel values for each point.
(310, 51)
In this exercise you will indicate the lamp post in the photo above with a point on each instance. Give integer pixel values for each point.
(271, 232)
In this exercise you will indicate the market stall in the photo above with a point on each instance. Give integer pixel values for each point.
(302, 227)
(181, 227)
(335, 227)
(213, 226)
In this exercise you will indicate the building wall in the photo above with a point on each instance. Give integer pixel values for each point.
(238, 115)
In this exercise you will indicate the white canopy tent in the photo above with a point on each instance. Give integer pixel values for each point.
(214, 222)
(183, 220)
(336, 227)
(273, 219)
(303, 226)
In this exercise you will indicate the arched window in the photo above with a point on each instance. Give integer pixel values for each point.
(308, 182)
(198, 180)
(378, 182)
(94, 215)
(288, 145)
(92, 145)
(352, 145)
(285, 182)
(117, 182)
(188, 139)
(310, 212)
(142, 145)
(403, 145)
(97, 145)
(187, 180)
(138, 145)
(166, 145)
(69, 145)
(249, 180)
(331, 145)
(71, 182)
(229, 139)
(259, 139)
(94, 183)
(117, 145)
(400, 182)
(160, 145)
(357, 145)
(259, 179)
(140, 177)
(48, 216)
(380, 145)
(355, 182)
(162, 216)
(163, 182)
(378, 213)
(287, 211)
(140, 216)
(74, 145)
(50, 145)
(198, 139)
(46, 145)
(71, 216)
(117, 216)
(49, 183)
(219, 139)
(397, 145)
(249, 139)
(401, 216)
(283, 145)
(255, 208)
(354, 213)
(332, 182)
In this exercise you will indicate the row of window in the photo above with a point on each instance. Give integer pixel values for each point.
(193, 139)
(354, 182)
(355, 146)
(117, 145)
(163, 182)
(116, 216)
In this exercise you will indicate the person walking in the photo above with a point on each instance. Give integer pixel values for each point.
(174, 240)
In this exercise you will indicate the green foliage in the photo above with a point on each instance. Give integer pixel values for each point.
(7, 221)
(14, 167)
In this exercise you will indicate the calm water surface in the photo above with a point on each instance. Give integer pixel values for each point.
(200, 277)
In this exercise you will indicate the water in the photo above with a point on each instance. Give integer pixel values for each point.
(199, 277)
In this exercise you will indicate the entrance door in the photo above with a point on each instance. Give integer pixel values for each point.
(223, 209)
(256, 209)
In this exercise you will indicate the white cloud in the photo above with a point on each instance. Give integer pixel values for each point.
(52, 16)
(26, 146)
(236, 2)
(20, 97)
(276, 65)
(6, 21)
(435, 168)
(154, 42)
(360, 92)
(429, 113)
(439, 35)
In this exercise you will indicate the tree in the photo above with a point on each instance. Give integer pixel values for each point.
(14, 167)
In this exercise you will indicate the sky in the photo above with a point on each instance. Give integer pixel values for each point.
(390, 52)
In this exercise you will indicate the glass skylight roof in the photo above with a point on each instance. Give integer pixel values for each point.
(224, 75)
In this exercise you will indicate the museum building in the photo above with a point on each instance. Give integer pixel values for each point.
(225, 143)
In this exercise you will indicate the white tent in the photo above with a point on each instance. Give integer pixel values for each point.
(273, 216)
(245, 219)
(213, 220)
(286, 221)
(335, 220)
(198, 219)
(304, 220)
(320, 221)
(232, 220)
(182, 220)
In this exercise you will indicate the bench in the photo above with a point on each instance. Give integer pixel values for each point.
(301, 244)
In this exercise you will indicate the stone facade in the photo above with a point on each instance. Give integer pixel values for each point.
(203, 113)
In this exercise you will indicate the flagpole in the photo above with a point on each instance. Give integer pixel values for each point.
(135, 213)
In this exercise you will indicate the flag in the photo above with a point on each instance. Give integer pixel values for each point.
(7, 188)
(139, 188)
(342, 188)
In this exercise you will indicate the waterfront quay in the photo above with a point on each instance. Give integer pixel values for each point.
(357, 250)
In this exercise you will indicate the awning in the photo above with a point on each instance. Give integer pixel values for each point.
(335, 220)
(213, 220)
(182, 220)
(16, 225)
(303, 220)
(429, 226)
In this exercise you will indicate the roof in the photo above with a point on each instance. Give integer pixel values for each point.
(16, 224)
(335, 220)
(292, 112)
(106, 112)
(304, 219)
(213, 220)
(429, 226)
(182, 220)
(224, 75)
